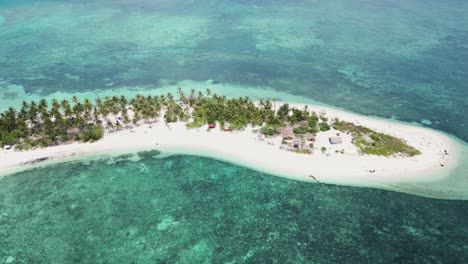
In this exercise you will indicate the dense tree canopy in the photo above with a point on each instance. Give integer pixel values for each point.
(44, 123)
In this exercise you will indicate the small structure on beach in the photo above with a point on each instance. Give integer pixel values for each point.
(296, 143)
(323, 112)
(74, 131)
(227, 129)
(287, 133)
(304, 123)
(310, 137)
(211, 125)
(335, 140)
(7, 147)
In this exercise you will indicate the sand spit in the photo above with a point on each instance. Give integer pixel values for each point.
(435, 173)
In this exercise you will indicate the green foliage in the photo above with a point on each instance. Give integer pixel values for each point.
(371, 142)
(46, 123)
(297, 116)
(170, 118)
(25, 144)
(324, 126)
(211, 119)
(302, 151)
(382, 145)
(92, 133)
(313, 130)
(313, 119)
(374, 136)
(269, 131)
(197, 122)
(301, 130)
(42, 143)
(283, 112)
(313, 123)
(64, 137)
(10, 138)
(323, 149)
(297, 131)
(339, 125)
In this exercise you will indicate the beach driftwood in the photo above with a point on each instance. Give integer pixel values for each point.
(315, 179)
(37, 160)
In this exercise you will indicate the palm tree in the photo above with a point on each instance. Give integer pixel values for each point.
(125, 117)
(88, 108)
(55, 110)
(66, 108)
(43, 105)
(24, 110)
(32, 114)
(123, 102)
(97, 120)
(181, 94)
(109, 124)
(192, 97)
(99, 105)
(170, 97)
(77, 109)
(136, 117)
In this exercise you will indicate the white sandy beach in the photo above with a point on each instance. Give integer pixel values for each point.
(423, 173)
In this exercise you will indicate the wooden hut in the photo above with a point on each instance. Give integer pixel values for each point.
(304, 123)
(74, 131)
(335, 140)
(211, 125)
(296, 143)
(310, 137)
(287, 133)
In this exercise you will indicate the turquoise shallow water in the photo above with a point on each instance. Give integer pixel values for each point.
(185, 209)
(401, 59)
(406, 59)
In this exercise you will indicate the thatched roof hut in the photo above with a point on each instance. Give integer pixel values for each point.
(296, 143)
(304, 123)
(335, 140)
(74, 131)
(310, 137)
(287, 133)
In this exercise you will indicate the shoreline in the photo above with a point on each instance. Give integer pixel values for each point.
(423, 173)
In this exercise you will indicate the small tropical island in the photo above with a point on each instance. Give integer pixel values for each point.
(305, 142)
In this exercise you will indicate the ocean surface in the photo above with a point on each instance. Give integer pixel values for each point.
(405, 60)
(401, 59)
(185, 209)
